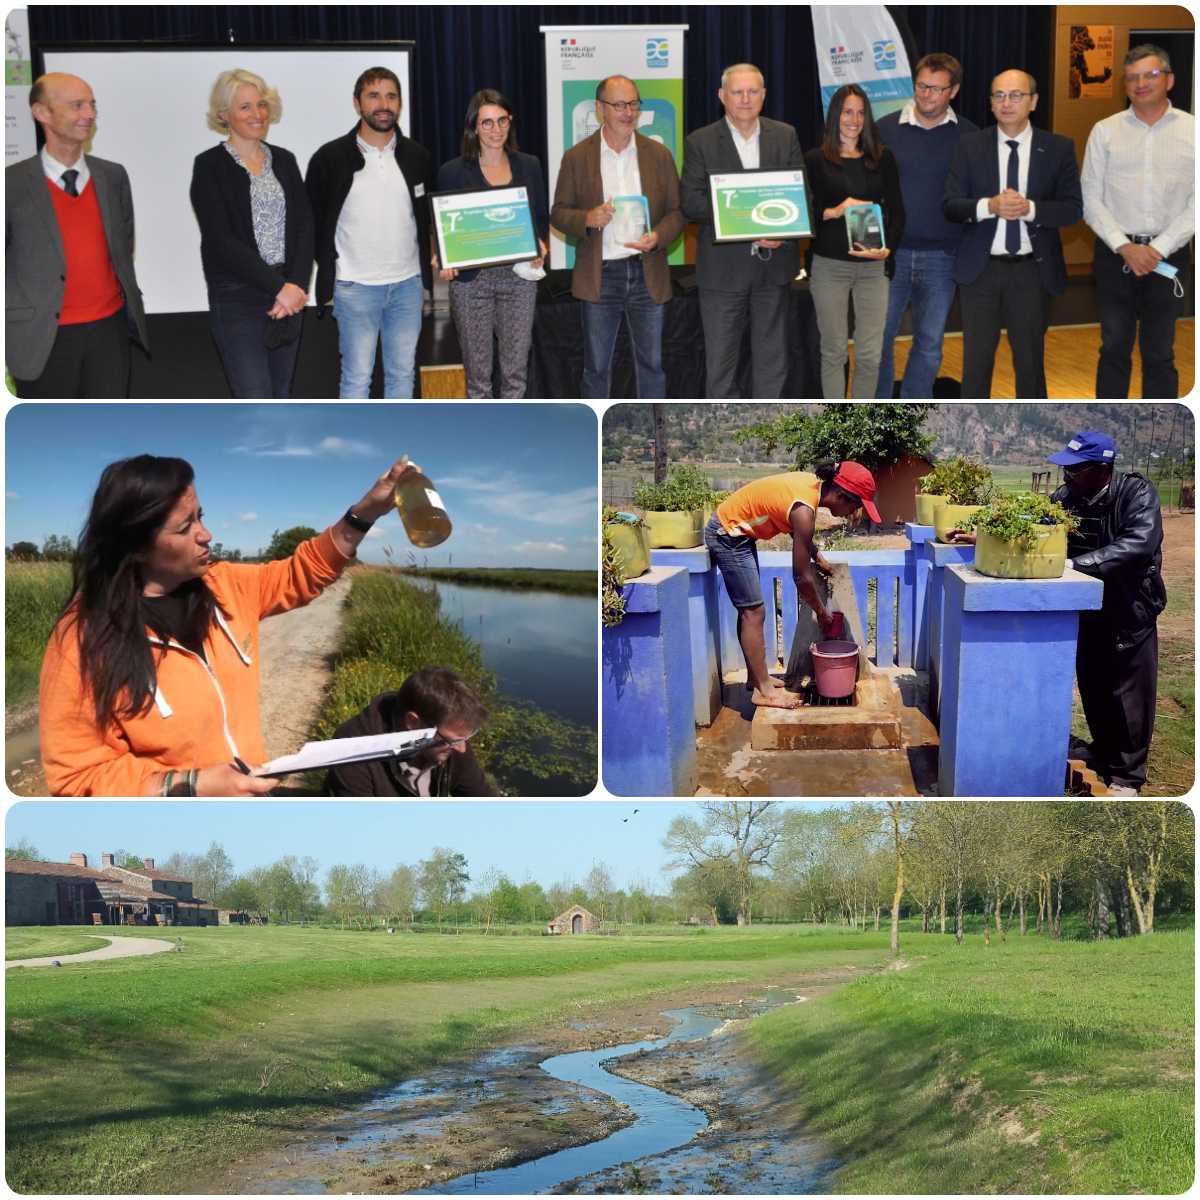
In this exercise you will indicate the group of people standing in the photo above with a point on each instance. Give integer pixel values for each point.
(978, 208)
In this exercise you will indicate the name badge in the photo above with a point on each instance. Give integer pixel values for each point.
(419, 190)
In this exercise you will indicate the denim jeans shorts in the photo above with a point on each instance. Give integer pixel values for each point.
(736, 557)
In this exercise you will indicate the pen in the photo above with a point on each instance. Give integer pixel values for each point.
(241, 766)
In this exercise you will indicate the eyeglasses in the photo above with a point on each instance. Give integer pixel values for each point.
(1148, 76)
(931, 88)
(1077, 469)
(746, 93)
(1015, 97)
(498, 123)
(453, 745)
(623, 105)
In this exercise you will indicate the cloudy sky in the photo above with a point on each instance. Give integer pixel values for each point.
(518, 480)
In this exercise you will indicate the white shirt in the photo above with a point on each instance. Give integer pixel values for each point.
(1024, 141)
(419, 780)
(747, 148)
(54, 171)
(376, 236)
(621, 177)
(1141, 179)
(908, 117)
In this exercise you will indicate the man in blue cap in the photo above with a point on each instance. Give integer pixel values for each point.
(1119, 541)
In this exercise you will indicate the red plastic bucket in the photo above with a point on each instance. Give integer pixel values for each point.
(835, 668)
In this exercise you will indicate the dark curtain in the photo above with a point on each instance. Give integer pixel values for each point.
(462, 48)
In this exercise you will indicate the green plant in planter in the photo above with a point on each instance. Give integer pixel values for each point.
(962, 480)
(612, 575)
(1016, 518)
(685, 488)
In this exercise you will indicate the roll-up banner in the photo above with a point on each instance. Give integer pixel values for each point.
(859, 43)
(577, 59)
(20, 141)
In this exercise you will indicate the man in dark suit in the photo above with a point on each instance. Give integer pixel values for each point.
(1013, 187)
(615, 277)
(733, 276)
(71, 297)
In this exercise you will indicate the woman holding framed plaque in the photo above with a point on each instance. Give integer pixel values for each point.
(848, 174)
(498, 298)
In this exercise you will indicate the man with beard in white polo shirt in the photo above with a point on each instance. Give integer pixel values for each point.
(368, 193)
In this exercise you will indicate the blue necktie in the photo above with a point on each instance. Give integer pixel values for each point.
(1012, 235)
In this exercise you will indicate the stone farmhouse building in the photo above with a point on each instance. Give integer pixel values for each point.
(47, 893)
(575, 920)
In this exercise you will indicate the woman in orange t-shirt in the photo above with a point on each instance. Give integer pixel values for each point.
(777, 504)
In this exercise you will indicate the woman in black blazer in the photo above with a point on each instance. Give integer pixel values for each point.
(256, 239)
(851, 167)
(494, 298)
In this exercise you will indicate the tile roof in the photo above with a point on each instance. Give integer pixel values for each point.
(154, 873)
(25, 866)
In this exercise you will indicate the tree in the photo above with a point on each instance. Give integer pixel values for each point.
(739, 832)
(442, 879)
(400, 893)
(57, 548)
(709, 888)
(25, 850)
(123, 858)
(24, 552)
(506, 900)
(339, 891)
(897, 819)
(952, 828)
(600, 890)
(212, 874)
(283, 545)
(534, 906)
(242, 896)
(875, 435)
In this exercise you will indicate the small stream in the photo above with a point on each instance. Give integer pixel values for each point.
(664, 1121)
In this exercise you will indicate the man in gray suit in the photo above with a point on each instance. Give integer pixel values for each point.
(734, 275)
(71, 297)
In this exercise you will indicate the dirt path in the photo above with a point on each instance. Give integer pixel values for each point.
(118, 947)
(500, 1110)
(296, 651)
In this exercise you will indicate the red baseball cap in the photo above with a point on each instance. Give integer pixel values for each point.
(859, 482)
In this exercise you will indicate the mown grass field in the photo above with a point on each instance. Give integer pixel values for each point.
(582, 583)
(34, 594)
(1026, 1068)
(146, 1074)
(150, 1074)
(42, 942)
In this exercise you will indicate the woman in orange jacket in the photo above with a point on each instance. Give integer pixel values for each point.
(149, 685)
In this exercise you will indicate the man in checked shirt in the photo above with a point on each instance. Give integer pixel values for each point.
(1139, 195)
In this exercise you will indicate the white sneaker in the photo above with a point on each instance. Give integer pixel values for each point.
(1117, 790)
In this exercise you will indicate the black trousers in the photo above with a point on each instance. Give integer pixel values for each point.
(1119, 689)
(723, 315)
(87, 362)
(1126, 300)
(1009, 295)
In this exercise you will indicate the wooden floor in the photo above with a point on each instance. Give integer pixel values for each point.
(1071, 355)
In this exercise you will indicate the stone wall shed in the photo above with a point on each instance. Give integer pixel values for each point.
(576, 919)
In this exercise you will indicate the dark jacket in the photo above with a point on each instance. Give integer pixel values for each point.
(459, 775)
(1119, 540)
(458, 174)
(228, 251)
(329, 178)
(729, 266)
(1053, 186)
(831, 183)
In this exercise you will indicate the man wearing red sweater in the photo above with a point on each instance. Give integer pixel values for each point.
(71, 296)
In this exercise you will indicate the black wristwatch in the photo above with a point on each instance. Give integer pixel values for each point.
(356, 522)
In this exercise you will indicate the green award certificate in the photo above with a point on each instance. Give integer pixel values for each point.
(749, 206)
(484, 228)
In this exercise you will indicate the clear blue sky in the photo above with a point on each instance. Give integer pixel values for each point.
(548, 839)
(518, 480)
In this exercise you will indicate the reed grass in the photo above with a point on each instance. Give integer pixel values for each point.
(581, 583)
(34, 593)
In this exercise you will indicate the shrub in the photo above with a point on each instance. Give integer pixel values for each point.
(1015, 518)
(962, 480)
(612, 577)
(685, 488)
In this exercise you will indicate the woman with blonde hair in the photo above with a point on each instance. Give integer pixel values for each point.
(256, 239)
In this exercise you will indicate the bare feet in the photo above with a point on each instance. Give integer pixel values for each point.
(776, 697)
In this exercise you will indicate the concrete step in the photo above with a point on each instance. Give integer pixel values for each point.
(873, 723)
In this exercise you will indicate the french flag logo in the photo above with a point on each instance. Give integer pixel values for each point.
(568, 42)
(837, 49)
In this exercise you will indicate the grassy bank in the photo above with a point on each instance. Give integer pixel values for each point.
(393, 628)
(581, 583)
(151, 1074)
(1030, 1067)
(34, 593)
(43, 942)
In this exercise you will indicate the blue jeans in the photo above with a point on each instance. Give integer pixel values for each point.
(238, 315)
(364, 311)
(736, 556)
(925, 277)
(623, 292)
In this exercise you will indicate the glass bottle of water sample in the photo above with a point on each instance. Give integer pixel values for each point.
(421, 509)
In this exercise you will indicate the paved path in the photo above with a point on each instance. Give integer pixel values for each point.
(119, 947)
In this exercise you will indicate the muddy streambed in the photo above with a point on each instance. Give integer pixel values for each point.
(684, 1113)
